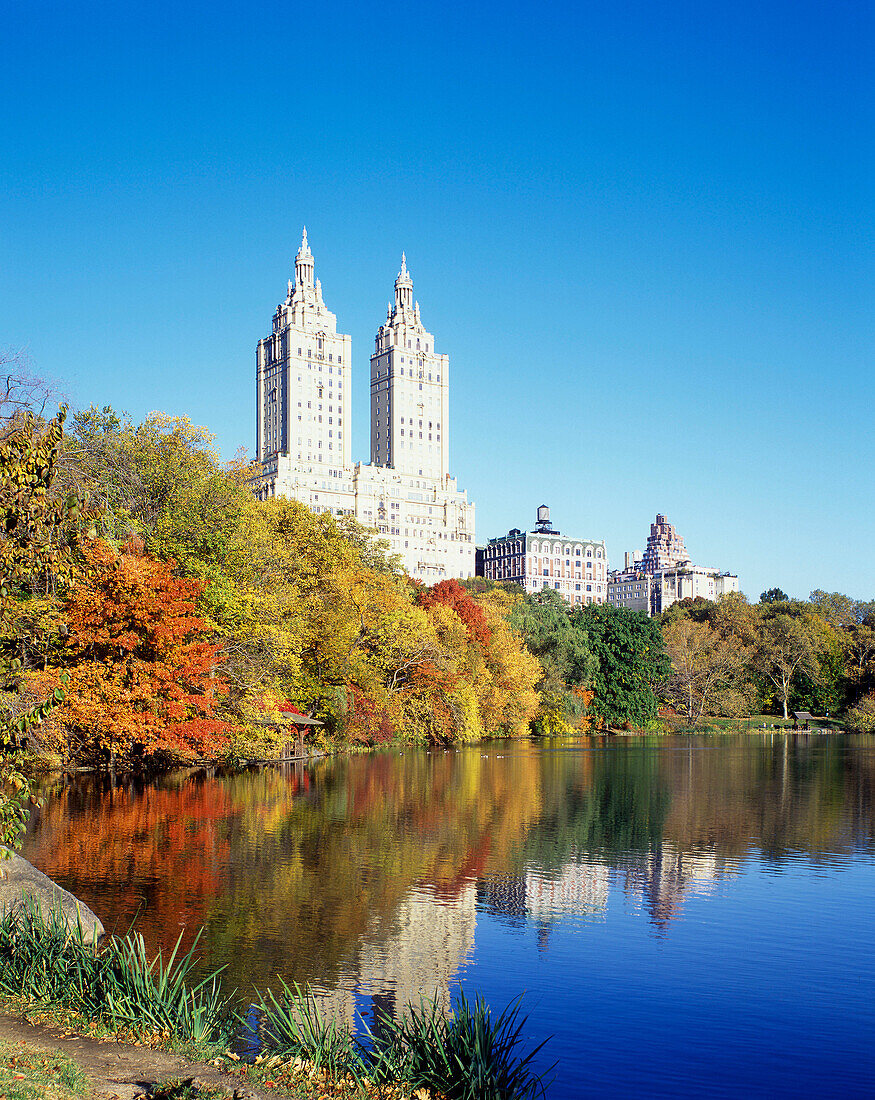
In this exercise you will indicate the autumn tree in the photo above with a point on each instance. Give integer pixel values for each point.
(861, 717)
(452, 594)
(507, 694)
(141, 676)
(37, 550)
(707, 669)
(858, 643)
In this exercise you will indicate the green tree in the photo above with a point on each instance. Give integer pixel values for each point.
(838, 609)
(560, 643)
(774, 595)
(631, 662)
(788, 646)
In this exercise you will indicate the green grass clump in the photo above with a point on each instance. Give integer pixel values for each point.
(293, 1026)
(30, 1074)
(466, 1055)
(41, 959)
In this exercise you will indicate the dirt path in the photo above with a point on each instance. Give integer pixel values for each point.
(119, 1071)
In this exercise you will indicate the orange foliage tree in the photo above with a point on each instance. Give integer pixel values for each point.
(142, 674)
(453, 595)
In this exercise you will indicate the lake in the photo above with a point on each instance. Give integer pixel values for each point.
(684, 916)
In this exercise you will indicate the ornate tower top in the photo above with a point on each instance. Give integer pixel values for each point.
(304, 264)
(403, 288)
(304, 307)
(665, 547)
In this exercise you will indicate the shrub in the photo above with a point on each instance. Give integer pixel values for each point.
(861, 718)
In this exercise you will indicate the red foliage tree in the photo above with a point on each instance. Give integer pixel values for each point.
(457, 597)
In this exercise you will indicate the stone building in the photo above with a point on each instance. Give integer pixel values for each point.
(545, 558)
(631, 587)
(303, 403)
(664, 547)
(689, 582)
(663, 574)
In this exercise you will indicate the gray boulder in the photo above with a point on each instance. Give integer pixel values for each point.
(21, 884)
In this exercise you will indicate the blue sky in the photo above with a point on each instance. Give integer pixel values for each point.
(642, 233)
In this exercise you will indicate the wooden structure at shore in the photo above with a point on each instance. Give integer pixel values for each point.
(291, 719)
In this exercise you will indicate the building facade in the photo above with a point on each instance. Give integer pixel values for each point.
(303, 402)
(651, 582)
(689, 582)
(545, 558)
(631, 587)
(409, 391)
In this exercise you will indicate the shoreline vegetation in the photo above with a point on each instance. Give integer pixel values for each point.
(115, 990)
(758, 724)
(154, 613)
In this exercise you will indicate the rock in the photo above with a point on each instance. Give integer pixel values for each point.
(20, 880)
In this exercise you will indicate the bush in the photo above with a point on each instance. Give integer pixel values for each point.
(861, 718)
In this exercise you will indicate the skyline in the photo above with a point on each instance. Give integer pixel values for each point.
(640, 237)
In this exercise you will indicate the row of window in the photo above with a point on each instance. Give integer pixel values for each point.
(318, 356)
(502, 549)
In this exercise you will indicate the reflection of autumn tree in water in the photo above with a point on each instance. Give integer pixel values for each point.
(334, 868)
(150, 850)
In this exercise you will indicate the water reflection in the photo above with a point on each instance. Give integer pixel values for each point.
(367, 876)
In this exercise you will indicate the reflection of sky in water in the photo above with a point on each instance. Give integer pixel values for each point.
(763, 988)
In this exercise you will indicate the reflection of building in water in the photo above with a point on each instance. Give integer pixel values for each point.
(665, 875)
(577, 888)
(419, 950)
(503, 895)
(415, 953)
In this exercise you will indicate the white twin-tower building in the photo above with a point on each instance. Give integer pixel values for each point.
(304, 403)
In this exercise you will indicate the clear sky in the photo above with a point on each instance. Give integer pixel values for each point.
(642, 232)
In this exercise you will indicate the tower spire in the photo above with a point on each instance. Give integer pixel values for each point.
(403, 287)
(304, 265)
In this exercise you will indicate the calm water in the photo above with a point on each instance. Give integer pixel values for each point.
(685, 916)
